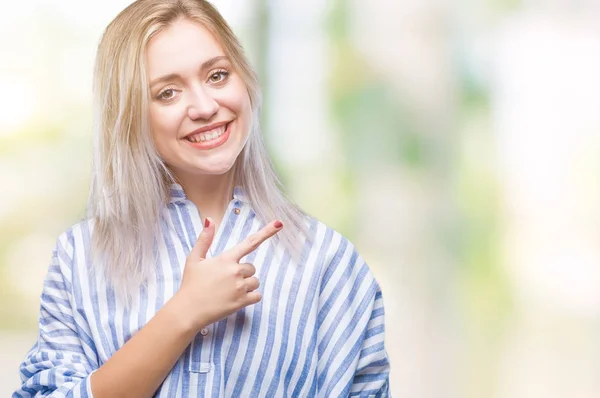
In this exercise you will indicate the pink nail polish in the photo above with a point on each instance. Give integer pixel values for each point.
(278, 224)
(206, 222)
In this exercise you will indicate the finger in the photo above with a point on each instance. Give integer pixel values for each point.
(252, 284)
(204, 240)
(247, 270)
(251, 242)
(253, 297)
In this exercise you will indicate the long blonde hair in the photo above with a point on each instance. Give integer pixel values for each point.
(130, 182)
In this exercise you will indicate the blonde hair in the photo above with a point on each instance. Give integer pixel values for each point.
(130, 182)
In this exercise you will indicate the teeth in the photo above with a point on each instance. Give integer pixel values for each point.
(208, 135)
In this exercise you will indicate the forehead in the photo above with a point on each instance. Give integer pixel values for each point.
(182, 45)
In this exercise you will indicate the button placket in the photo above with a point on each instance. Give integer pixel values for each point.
(201, 352)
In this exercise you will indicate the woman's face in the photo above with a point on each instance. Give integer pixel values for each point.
(200, 111)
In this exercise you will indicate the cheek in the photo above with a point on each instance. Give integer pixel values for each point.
(238, 99)
(244, 110)
(162, 133)
(164, 123)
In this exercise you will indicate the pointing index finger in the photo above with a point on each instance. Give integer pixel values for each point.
(252, 242)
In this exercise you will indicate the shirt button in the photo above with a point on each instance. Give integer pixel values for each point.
(204, 332)
(236, 210)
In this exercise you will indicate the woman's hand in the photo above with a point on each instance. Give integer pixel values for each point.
(212, 289)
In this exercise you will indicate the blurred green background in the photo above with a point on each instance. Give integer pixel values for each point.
(455, 143)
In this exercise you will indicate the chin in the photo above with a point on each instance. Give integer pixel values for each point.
(216, 164)
(221, 163)
(215, 168)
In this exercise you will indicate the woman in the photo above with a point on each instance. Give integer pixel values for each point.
(183, 281)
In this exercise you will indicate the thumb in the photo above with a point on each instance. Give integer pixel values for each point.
(204, 240)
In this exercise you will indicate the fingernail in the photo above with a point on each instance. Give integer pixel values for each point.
(206, 222)
(278, 224)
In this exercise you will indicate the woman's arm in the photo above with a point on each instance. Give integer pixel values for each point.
(138, 368)
(221, 284)
(60, 362)
(352, 358)
(371, 376)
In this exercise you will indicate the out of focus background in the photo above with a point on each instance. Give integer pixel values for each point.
(457, 144)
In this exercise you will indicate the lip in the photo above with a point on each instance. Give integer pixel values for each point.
(212, 143)
(206, 128)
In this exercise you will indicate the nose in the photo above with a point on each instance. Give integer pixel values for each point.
(202, 104)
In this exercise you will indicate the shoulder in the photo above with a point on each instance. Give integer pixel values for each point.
(326, 239)
(74, 243)
(68, 261)
(338, 256)
(347, 293)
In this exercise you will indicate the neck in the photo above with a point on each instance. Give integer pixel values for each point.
(210, 193)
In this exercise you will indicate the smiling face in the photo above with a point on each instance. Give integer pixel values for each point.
(200, 112)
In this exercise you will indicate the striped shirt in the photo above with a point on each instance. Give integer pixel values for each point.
(317, 332)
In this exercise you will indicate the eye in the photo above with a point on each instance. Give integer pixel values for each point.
(218, 76)
(167, 94)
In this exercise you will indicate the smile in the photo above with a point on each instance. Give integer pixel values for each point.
(208, 139)
(207, 136)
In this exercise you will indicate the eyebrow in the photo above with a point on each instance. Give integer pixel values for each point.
(172, 76)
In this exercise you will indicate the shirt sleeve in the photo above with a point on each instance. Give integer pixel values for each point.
(371, 377)
(60, 363)
(353, 361)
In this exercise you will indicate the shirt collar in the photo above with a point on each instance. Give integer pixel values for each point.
(177, 194)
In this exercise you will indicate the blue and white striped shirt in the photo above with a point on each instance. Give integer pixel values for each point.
(317, 332)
